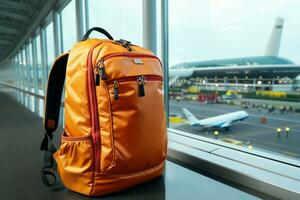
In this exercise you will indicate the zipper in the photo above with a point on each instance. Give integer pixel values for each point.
(141, 81)
(116, 90)
(95, 130)
(100, 67)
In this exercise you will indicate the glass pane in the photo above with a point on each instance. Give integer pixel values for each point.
(50, 45)
(21, 75)
(124, 22)
(24, 69)
(30, 75)
(39, 63)
(68, 25)
(30, 65)
(40, 68)
(235, 74)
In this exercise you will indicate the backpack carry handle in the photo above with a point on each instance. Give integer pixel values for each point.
(98, 29)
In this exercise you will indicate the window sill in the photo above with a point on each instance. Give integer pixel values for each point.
(271, 174)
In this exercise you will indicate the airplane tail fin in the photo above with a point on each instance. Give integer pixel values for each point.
(275, 38)
(192, 119)
(173, 80)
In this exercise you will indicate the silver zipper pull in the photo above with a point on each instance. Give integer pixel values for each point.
(116, 90)
(97, 77)
(102, 70)
(141, 82)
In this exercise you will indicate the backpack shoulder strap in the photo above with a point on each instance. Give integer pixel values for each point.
(54, 92)
(51, 117)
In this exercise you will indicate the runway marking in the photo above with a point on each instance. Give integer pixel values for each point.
(291, 154)
(272, 144)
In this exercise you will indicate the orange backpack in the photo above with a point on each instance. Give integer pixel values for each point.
(115, 127)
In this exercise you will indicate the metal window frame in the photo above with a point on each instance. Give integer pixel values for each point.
(80, 13)
(165, 52)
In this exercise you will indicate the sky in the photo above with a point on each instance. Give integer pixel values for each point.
(214, 29)
(199, 29)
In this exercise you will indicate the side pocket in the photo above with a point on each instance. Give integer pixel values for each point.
(75, 163)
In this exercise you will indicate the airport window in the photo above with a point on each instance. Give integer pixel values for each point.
(29, 63)
(19, 68)
(39, 64)
(68, 26)
(232, 80)
(50, 45)
(21, 75)
(39, 73)
(16, 70)
(28, 58)
(125, 22)
(17, 80)
(25, 75)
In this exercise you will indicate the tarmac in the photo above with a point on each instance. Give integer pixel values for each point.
(250, 131)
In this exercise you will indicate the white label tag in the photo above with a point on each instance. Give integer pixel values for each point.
(138, 61)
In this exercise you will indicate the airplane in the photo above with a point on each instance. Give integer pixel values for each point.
(220, 121)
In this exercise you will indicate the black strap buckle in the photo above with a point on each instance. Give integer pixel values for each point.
(48, 172)
(44, 143)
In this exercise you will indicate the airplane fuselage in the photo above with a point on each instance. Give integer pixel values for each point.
(224, 120)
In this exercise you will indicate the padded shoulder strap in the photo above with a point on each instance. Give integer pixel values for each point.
(54, 92)
(52, 107)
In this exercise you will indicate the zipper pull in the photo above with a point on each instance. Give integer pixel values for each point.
(97, 77)
(116, 90)
(141, 82)
(102, 70)
(126, 44)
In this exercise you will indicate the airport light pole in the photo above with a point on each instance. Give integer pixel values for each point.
(287, 131)
(216, 133)
(250, 146)
(278, 132)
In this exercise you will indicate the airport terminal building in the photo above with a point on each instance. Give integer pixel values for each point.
(251, 67)
(266, 72)
(271, 72)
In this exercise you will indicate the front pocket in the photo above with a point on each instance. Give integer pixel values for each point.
(139, 129)
(75, 163)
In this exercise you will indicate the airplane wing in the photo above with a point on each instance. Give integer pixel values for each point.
(192, 119)
(226, 124)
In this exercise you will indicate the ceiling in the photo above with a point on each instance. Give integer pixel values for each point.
(16, 17)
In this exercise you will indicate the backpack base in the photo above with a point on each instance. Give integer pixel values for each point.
(105, 184)
(76, 170)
